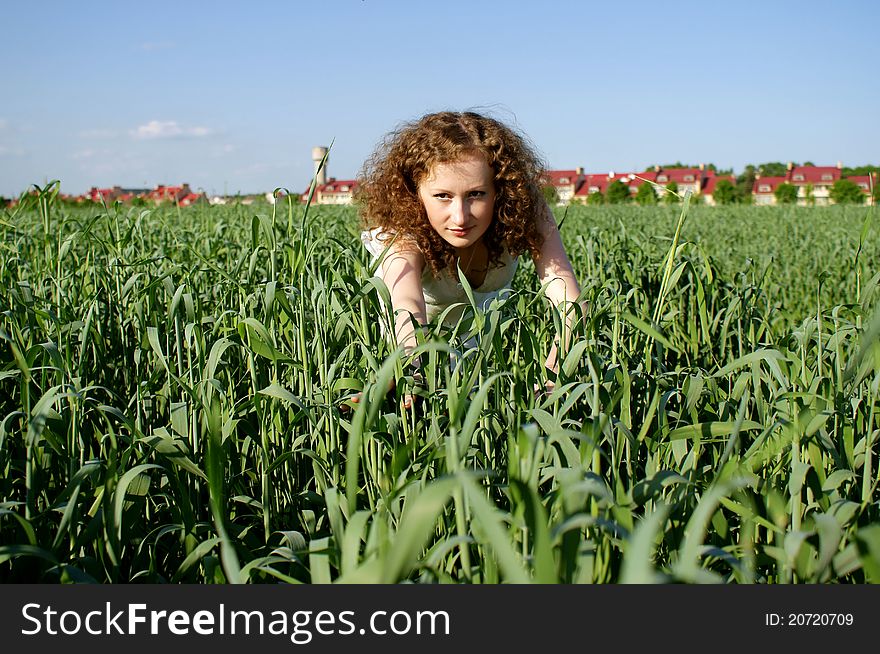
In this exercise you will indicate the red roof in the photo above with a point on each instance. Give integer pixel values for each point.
(814, 175)
(679, 175)
(599, 182)
(864, 181)
(96, 194)
(333, 185)
(162, 192)
(771, 182)
(629, 179)
(189, 198)
(646, 176)
(712, 181)
(339, 186)
(563, 177)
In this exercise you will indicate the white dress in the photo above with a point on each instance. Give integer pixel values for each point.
(445, 291)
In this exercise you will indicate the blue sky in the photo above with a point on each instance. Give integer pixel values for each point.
(231, 97)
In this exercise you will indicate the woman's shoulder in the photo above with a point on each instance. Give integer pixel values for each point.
(375, 240)
(380, 243)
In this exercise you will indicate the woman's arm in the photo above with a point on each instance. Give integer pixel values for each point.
(401, 270)
(554, 270)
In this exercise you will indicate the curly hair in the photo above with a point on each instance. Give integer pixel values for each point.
(387, 191)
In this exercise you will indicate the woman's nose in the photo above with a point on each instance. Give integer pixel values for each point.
(459, 212)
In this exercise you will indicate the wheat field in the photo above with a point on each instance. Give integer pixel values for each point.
(175, 390)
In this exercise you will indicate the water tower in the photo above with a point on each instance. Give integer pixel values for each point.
(318, 154)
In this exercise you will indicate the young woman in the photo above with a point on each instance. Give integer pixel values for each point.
(457, 191)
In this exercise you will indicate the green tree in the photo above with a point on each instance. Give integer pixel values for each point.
(551, 195)
(846, 192)
(679, 164)
(859, 170)
(670, 196)
(773, 169)
(617, 192)
(725, 192)
(596, 198)
(809, 195)
(745, 183)
(646, 195)
(786, 193)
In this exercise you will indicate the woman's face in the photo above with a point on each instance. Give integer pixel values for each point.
(459, 199)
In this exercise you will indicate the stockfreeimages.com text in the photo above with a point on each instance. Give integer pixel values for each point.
(300, 626)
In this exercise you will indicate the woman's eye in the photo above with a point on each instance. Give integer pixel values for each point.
(478, 194)
(441, 196)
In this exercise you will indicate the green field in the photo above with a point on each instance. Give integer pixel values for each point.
(173, 388)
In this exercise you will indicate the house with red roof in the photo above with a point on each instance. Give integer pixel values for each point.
(191, 198)
(338, 191)
(592, 184)
(328, 190)
(867, 184)
(814, 182)
(566, 183)
(334, 191)
(635, 180)
(100, 195)
(163, 193)
(709, 184)
(692, 179)
(182, 195)
(687, 179)
(113, 194)
(764, 189)
(628, 179)
(598, 183)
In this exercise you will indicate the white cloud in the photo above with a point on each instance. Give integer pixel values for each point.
(4, 123)
(11, 152)
(168, 129)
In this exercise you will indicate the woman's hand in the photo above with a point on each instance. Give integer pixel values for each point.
(408, 401)
(551, 371)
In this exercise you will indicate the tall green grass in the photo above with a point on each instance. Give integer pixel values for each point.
(174, 384)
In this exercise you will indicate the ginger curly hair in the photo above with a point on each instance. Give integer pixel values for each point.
(387, 191)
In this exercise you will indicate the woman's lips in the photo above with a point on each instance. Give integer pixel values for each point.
(460, 232)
